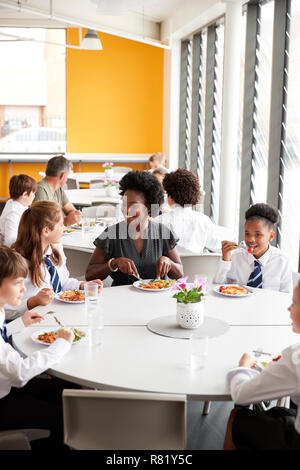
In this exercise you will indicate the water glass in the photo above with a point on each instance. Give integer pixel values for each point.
(85, 225)
(94, 313)
(198, 351)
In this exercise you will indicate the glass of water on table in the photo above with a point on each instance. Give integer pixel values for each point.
(94, 313)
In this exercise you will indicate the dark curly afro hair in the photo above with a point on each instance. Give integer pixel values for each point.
(268, 214)
(147, 184)
(183, 187)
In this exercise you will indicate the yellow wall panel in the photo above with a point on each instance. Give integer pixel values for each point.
(114, 97)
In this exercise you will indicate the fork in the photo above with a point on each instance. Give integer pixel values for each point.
(48, 313)
(57, 321)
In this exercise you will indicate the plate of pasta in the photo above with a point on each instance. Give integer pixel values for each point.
(156, 285)
(71, 296)
(233, 290)
(48, 336)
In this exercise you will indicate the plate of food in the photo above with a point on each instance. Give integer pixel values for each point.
(233, 290)
(262, 363)
(68, 230)
(71, 296)
(89, 225)
(153, 285)
(47, 336)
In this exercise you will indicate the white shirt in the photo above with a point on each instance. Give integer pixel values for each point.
(275, 268)
(9, 221)
(194, 229)
(67, 283)
(279, 379)
(16, 371)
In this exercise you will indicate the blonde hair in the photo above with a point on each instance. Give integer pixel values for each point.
(157, 157)
(29, 240)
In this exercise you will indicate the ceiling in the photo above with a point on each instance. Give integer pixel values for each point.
(134, 18)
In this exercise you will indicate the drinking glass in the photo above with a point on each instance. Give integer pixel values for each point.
(198, 351)
(94, 313)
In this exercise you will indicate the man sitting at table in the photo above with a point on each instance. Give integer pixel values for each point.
(50, 188)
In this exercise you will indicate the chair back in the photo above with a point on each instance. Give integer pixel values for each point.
(72, 183)
(97, 183)
(201, 264)
(106, 420)
(122, 169)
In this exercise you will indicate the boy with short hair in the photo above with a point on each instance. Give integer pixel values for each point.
(27, 407)
(22, 190)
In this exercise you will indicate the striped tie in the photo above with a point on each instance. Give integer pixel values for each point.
(255, 278)
(3, 332)
(54, 277)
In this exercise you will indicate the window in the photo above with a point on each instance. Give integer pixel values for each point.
(32, 91)
(201, 110)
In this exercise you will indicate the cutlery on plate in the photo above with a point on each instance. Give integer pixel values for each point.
(262, 352)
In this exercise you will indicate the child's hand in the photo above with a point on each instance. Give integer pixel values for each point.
(44, 296)
(96, 281)
(66, 333)
(227, 247)
(247, 361)
(29, 318)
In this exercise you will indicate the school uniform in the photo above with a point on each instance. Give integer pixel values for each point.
(9, 221)
(36, 404)
(275, 267)
(67, 283)
(277, 428)
(194, 229)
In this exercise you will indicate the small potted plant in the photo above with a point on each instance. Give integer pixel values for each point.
(189, 307)
(108, 169)
(111, 187)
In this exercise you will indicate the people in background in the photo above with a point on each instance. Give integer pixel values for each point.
(278, 428)
(36, 404)
(194, 229)
(258, 264)
(160, 174)
(40, 230)
(22, 190)
(136, 247)
(50, 188)
(157, 160)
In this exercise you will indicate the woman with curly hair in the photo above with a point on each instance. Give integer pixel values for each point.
(195, 230)
(138, 247)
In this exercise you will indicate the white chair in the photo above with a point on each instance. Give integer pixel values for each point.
(296, 278)
(72, 183)
(19, 439)
(122, 169)
(96, 184)
(204, 263)
(105, 420)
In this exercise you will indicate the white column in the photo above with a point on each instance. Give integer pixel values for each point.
(174, 104)
(230, 115)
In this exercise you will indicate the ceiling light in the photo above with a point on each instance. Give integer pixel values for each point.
(91, 41)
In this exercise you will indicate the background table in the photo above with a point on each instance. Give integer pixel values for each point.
(89, 197)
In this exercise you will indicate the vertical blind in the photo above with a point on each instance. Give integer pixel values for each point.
(269, 156)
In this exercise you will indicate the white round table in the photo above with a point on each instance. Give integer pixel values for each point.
(134, 358)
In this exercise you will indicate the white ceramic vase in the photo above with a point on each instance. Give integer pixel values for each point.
(190, 315)
(109, 172)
